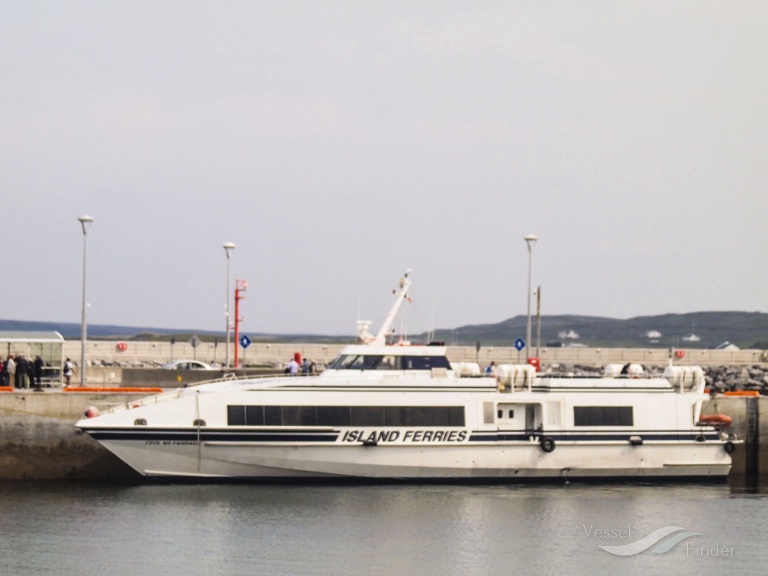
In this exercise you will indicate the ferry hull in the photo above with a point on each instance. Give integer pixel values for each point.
(525, 461)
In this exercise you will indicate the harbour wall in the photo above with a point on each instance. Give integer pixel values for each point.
(38, 439)
(106, 353)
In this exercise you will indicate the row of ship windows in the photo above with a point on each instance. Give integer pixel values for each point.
(380, 362)
(590, 415)
(398, 415)
(603, 416)
(345, 415)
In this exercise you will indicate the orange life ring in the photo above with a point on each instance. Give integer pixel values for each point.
(716, 420)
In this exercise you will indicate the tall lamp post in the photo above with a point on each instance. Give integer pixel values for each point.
(229, 246)
(85, 222)
(530, 240)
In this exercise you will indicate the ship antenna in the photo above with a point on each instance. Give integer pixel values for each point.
(381, 337)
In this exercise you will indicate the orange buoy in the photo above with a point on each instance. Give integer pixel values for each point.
(679, 353)
(716, 420)
(122, 346)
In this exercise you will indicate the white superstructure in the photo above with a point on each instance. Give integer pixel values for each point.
(403, 412)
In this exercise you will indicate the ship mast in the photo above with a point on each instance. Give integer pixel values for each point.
(381, 338)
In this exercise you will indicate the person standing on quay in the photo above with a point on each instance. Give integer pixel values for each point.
(67, 372)
(22, 371)
(11, 368)
(38, 371)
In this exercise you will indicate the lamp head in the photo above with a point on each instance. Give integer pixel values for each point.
(85, 222)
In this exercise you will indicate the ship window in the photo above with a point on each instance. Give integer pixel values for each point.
(342, 362)
(333, 415)
(308, 415)
(425, 362)
(273, 416)
(367, 416)
(386, 363)
(603, 416)
(501, 413)
(366, 363)
(436, 416)
(236, 415)
(511, 413)
(254, 415)
(291, 416)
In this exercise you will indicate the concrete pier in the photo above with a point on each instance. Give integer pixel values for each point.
(38, 440)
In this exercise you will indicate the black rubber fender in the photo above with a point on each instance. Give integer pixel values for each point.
(729, 447)
(547, 444)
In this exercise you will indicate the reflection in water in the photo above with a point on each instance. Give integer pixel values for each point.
(209, 530)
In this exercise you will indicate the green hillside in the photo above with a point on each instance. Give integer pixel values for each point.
(744, 329)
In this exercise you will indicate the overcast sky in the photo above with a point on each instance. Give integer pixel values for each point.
(339, 143)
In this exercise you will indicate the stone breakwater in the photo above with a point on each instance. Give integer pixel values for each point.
(719, 378)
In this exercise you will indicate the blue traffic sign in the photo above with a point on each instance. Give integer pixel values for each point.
(245, 341)
(519, 344)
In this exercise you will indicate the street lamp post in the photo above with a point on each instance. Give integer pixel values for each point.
(530, 240)
(538, 322)
(227, 248)
(85, 222)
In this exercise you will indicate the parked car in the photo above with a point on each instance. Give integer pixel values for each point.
(186, 365)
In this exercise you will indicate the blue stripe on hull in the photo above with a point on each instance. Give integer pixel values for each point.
(287, 436)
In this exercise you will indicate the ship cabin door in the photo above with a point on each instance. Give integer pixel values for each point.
(521, 417)
(510, 416)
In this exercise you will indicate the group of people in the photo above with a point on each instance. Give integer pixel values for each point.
(19, 372)
(306, 367)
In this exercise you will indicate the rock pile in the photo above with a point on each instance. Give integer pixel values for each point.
(729, 378)
(719, 378)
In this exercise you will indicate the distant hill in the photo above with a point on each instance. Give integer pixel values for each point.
(709, 330)
(71, 331)
(694, 330)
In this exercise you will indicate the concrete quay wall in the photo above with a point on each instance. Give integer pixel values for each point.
(38, 440)
(106, 353)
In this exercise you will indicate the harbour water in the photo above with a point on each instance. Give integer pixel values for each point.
(242, 529)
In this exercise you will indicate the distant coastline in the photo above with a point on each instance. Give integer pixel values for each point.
(692, 330)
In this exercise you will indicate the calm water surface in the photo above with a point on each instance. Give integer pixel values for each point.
(96, 529)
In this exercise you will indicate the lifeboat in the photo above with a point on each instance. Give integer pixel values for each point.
(716, 420)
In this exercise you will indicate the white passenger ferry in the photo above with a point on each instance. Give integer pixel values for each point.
(404, 412)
